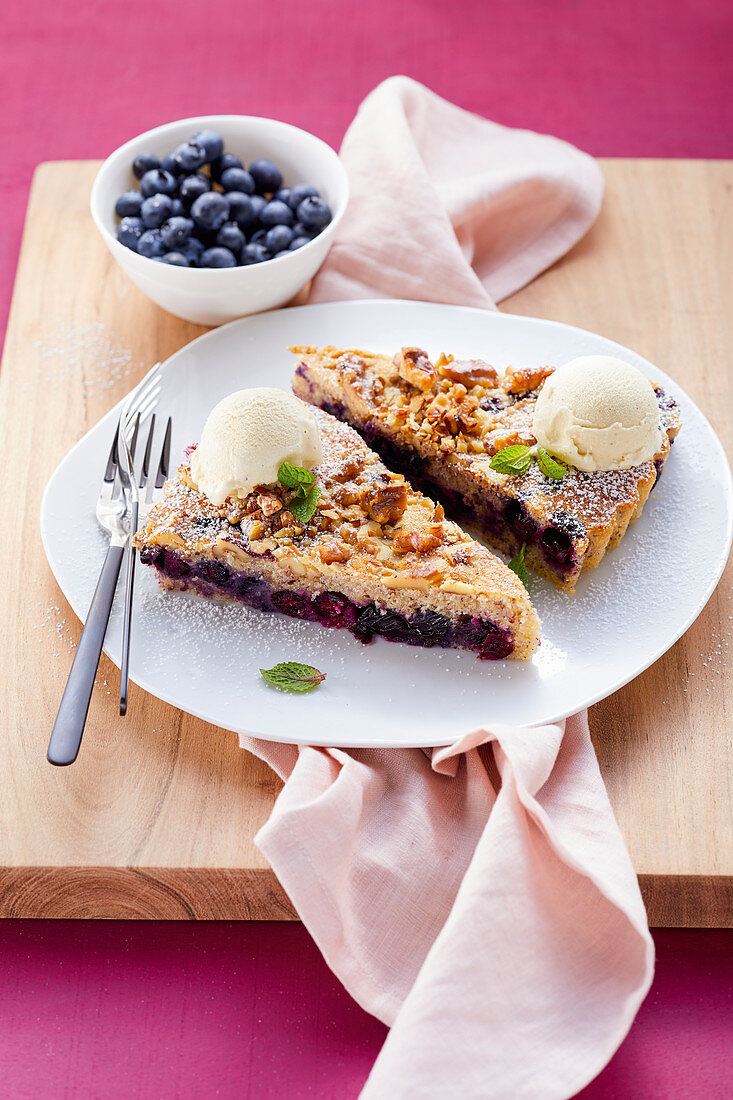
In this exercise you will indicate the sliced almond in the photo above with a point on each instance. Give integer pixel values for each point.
(400, 581)
(459, 588)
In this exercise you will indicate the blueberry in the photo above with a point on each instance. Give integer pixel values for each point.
(241, 209)
(170, 164)
(282, 195)
(497, 643)
(298, 242)
(231, 236)
(211, 142)
(175, 258)
(176, 232)
(191, 187)
(292, 603)
(177, 208)
(313, 212)
(151, 244)
(189, 156)
(299, 192)
(278, 238)
(210, 211)
(129, 232)
(556, 545)
(276, 213)
(193, 250)
(144, 162)
(258, 237)
(155, 211)
(572, 526)
(158, 182)
(215, 572)
(218, 257)
(266, 176)
(430, 628)
(277, 255)
(254, 254)
(301, 230)
(258, 205)
(220, 164)
(333, 609)
(236, 179)
(128, 205)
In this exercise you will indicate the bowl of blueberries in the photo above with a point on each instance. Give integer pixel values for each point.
(218, 217)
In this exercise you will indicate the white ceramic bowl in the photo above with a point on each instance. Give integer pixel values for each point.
(212, 296)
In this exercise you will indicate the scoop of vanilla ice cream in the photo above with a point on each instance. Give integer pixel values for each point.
(247, 437)
(598, 413)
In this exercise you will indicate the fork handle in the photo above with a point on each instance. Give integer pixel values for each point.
(71, 718)
(127, 620)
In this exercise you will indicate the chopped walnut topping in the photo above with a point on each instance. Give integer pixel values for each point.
(269, 504)
(469, 371)
(385, 504)
(332, 551)
(419, 540)
(437, 408)
(414, 366)
(261, 546)
(365, 534)
(433, 567)
(235, 510)
(526, 379)
(350, 467)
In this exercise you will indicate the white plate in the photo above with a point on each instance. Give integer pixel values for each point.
(204, 657)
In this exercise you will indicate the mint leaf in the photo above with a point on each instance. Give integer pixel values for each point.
(549, 466)
(292, 477)
(512, 460)
(517, 565)
(292, 676)
(304, 505)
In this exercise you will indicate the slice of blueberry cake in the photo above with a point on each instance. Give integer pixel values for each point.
(377, 557)
(442, 423)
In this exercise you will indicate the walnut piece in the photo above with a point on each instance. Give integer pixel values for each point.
(332, 551)
(469, 371)
(526, 379)
(269, 504)
(385, 504)
(419, 540)
(414, 366)
(431, 567)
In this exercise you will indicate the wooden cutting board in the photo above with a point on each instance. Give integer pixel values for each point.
(157, 817)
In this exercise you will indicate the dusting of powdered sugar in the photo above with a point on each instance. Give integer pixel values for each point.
(83, 352)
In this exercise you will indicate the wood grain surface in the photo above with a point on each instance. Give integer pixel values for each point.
(157, 817)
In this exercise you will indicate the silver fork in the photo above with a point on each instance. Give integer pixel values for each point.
(113, 515)
(131, 486)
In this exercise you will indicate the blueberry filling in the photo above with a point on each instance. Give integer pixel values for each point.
(332, 609)
(213, 572)
(556, 545)
(520, 522)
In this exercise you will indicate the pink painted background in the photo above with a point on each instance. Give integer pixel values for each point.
(126, 1011)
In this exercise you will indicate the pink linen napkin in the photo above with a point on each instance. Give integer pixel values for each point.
(448, 207)
(478, 898)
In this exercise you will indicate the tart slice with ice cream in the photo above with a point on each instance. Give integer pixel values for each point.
(286, 509)
(552, 465)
